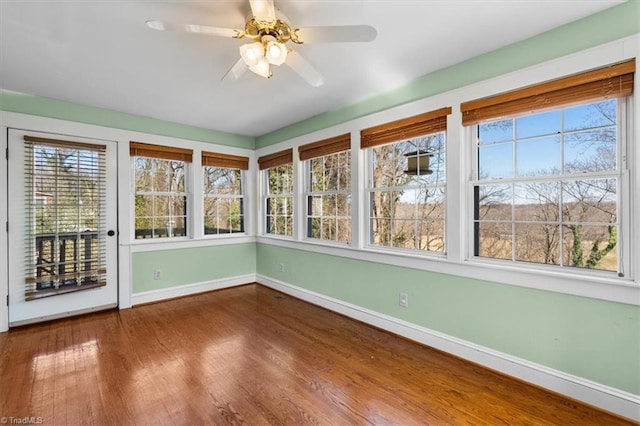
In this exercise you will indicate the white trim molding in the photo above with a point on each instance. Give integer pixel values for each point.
(604, 397)
(61, 315)
(124, 277)
(4, 276)
(190, 289)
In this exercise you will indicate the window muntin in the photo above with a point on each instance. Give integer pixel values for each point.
(160, 198)
(279, 200)
(329, 197)
(551, 195)
(223, 209)
(407, 211)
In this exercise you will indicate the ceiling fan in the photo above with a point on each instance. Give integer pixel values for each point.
(269, 31)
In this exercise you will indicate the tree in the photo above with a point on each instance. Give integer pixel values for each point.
(329, 209)
(279, 203)
(591, 201)
(584, 201)
(160, 200)
(223, 200)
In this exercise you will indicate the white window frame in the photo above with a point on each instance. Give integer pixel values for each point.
(242, 197)
(189, 217)
(266, 195)
(369, 189)
(307, 194)
(621, 174)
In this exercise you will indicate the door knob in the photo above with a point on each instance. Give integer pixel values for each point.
(111, 232)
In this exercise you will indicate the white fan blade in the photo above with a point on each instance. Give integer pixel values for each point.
(304, 69)
(211, 31)
(237, 70)
(192, 28)
(340, 34)
(263, 10)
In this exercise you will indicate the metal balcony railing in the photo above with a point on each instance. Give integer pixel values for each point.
(68, 259)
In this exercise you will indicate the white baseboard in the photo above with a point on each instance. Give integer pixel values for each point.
(607, 398)
(189, 289)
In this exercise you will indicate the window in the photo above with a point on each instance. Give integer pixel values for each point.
(548, 184)
(66, 210)
(223, 193)
(328, 188)
(277, 170)
(406, 182)
(160, 190)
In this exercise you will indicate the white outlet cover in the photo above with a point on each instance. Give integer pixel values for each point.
(404, 300)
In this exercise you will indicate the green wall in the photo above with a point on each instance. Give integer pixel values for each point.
(191, 265)
(608, 25)
(589, 338)
(53, 108)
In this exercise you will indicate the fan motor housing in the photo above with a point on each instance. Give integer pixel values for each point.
(279, 29)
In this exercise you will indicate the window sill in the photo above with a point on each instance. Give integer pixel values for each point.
(327, 243)
(612, 289)
(137, 246)
(278, 237)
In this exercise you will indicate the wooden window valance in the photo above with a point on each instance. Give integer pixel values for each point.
(60, 143)
(406, 128)
(275, 159)
(325, 147)
(612, 81)
(139, 149)
(225, 160)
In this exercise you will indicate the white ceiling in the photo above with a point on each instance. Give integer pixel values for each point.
(100, 53)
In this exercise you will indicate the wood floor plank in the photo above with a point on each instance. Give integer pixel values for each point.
(251, 355)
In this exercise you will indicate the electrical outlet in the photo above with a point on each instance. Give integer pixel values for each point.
(403, 300)
(282, 267)
(157, 274)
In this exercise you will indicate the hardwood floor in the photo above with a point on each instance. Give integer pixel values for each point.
(255, 356)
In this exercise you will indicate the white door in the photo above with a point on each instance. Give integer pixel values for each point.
(62, 226)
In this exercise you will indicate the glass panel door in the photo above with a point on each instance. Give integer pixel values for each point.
(62, 228)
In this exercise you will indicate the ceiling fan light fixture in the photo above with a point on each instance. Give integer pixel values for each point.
(261, 68)
(252, 53)
(276, 53)
(267, 32)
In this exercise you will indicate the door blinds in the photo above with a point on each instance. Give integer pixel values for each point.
(65, 225)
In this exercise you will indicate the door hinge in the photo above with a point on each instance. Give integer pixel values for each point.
(7, 300)
(6, 153)
(7, 226)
